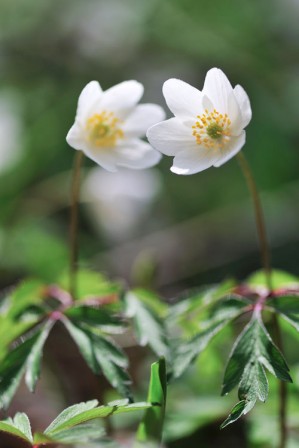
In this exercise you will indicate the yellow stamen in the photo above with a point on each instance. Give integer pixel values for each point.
(212, 129)
(103, 129)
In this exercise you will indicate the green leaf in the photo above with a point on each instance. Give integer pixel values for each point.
(151, 427)
(95, 317)
(84, 433)
(21, 421)
(279, 279)
(287, 307)
(14, 317)
(76, 424)
(93, 287)
(79, 414)
(193, 303)
(236, 413)
(102, 355)
(253, 350)
(67, 414)
(33, 367)
(149, 327)
(27, 294)
(19, 426)
(220, 315)
(17, 361)
(186, 352)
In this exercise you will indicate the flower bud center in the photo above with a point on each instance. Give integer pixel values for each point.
(103, 129)
(212, 129)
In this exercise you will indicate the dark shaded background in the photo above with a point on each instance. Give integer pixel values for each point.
(171, 231)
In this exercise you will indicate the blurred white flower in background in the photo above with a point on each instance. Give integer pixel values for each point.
(108, 31)
(11, 127)
(109, 126)
(208, 127)
(118, 204)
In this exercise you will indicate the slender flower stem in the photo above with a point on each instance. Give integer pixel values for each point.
(75, 191)
(259, 217)
(265, 257)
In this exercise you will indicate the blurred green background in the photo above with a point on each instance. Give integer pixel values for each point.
(173, 231)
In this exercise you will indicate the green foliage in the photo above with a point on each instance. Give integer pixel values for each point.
(92, 287)
(102, 355)
(18, 426)
(20, 311)
(76, 424)
(26, 357)
(28, 314)
(150, 429)
(193, 305)
(279, 279)
(146, 312)
(287, 307)
(96, 317)
(180, 333)
(253, 351)
(220, 314)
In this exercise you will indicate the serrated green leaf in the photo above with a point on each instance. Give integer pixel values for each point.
(287, 307)
(220, 315)
(236, 413)
(67, 414)
(12, 369)
(193, 303)
(95, 317)
(10, 429)
(150, 429)
(102, 355)
(186, 352)
(91, 414)
(15, 364)
(84, 433)
(252, 351)
(149, 327)
(14, 317)
(19, 426)
(21, 422)
(33, 364)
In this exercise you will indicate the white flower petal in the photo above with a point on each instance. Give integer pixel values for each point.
(244, 104)
(122, 97)
(171, 136)
(76, 138)
(193, 161)
(183, 100)
(142, 117)
(233, 147)
(136, 154)
(218, 88)
(90, 96)
(235, 115)
(105, 157)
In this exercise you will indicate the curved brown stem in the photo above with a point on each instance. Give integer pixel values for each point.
(265, 257)
(75, 191)
(259, 217)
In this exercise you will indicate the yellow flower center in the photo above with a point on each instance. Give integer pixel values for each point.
(212, 129)
(103, 129)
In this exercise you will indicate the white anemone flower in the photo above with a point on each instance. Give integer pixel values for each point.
(208, 127)
(109, 125)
